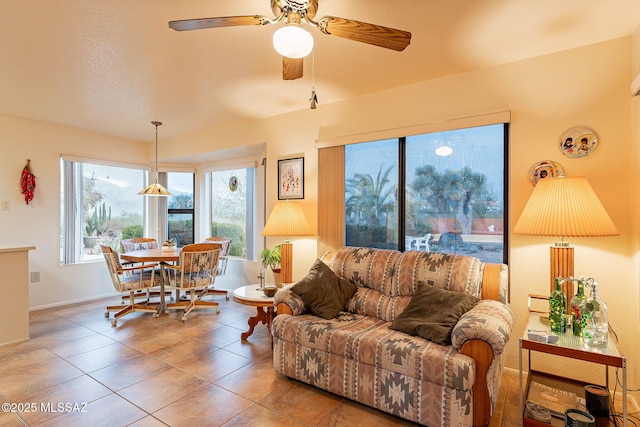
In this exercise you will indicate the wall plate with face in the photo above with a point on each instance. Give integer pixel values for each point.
(578, 142)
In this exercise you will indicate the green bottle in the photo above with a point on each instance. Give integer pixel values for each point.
(558, 309)
(577, 306)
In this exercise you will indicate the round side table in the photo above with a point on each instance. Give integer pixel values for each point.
(252, 295)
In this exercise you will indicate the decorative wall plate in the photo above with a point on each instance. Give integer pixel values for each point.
(578, 142)
(233, 183)
(545, 169)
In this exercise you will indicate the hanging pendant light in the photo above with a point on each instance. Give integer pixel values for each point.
(155, 189)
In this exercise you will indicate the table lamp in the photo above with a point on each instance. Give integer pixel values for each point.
(287, 220)
(564, 207)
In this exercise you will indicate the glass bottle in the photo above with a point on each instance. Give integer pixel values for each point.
(595, 326)
(577, 305)
(558, 309)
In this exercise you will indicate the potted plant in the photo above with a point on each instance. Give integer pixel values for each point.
(272, 258)
(91, 227)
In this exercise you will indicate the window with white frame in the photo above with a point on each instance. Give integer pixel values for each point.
(232, 208)
(100, 205)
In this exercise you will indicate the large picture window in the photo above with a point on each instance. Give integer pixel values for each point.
(100, 205)
(233, 208)
(442, 191)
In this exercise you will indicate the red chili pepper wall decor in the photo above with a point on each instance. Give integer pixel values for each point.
(28, 182)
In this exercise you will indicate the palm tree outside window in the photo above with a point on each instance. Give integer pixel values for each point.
(399, 191)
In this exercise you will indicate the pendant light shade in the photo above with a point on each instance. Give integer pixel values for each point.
(155, 189)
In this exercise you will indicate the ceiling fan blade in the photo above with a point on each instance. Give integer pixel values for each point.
(377, 35)
(221, 21)
(292, 68)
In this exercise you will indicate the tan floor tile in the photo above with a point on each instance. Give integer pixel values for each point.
(129, 372)
(102, 357)
(21, 356)
(349, 413)
(44, 322)
(257, 414)
(219, 337)
(185, 349)
(254, 347)
(301, 402)
(160, 390)
(214, 365)
(11, 419)
(22, 382)
(213, 406)
(253, 381)
(197, 323)
(80, 390)
(70, 346)
(148, 421)
(70, 331)
(155, 339)
(109, 411)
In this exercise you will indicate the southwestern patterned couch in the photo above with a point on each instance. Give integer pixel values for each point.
(357, 355)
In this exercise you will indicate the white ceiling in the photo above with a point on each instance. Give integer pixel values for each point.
(113, 66)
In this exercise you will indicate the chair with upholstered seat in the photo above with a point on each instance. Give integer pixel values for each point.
(130, 280)
(138, 244)
(195, 273)
(222, 263)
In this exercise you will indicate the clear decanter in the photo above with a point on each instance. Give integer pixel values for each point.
(595, 326)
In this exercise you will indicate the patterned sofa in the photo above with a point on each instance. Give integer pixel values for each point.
(357, 355)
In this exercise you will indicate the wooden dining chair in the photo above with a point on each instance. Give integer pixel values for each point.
(138, 244)
(225, 243)
(129, 280)
(195, 273)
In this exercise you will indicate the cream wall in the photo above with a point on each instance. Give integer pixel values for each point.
(38, 223)
(546, 95)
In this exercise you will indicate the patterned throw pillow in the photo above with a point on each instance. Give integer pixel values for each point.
(323, 292)
(433, 312)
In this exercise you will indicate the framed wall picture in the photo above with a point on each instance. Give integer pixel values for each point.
(291, 178)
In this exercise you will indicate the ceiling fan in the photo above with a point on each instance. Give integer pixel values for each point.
(296, 12)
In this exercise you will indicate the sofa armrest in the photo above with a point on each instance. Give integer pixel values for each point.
(288, 302)
(489, 321)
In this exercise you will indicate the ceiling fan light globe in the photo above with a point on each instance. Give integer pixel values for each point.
(293, 41)
(444, 151)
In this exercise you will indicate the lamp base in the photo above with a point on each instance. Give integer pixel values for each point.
(286, 262)
(562, 266)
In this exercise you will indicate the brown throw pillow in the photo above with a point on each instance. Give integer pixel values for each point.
(323, 292)
(433, 312)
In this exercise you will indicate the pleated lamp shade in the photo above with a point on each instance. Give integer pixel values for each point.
(565, 207)
(286, 220)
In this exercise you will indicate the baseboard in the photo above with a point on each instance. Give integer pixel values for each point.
(75, 301)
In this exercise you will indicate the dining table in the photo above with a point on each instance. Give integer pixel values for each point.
(161, 256)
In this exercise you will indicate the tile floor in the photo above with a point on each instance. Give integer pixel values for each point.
(78, 370)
